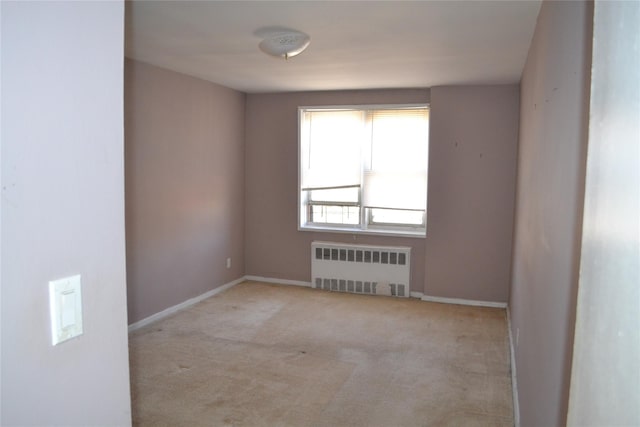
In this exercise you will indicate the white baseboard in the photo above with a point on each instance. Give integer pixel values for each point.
(460, 301)
(514, 382)
(278, 281)
(302, 283)
(188, 303)
(412, 294)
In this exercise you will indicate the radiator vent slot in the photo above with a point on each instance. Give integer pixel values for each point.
(361, 269)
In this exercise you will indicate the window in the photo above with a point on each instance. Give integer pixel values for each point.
(364, 168)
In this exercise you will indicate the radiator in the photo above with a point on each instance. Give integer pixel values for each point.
(361, 269)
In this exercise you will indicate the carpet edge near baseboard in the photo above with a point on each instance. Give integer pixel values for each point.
(181, 306)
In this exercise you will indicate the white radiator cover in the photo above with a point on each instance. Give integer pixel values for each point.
(361, 269)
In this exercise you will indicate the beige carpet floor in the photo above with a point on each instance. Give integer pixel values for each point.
(270, 355)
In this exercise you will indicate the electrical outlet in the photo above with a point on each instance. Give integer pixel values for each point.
(228, 262)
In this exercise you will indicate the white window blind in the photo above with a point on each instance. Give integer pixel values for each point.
(396, 176)
(395, 190)
(370, 162)
(331, 158)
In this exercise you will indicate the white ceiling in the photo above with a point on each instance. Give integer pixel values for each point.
(354, 44)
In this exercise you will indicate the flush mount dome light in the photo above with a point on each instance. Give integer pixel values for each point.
(285, 44)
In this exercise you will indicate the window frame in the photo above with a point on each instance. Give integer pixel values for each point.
(366, 224)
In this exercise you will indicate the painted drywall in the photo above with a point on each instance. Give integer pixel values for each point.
(485, 121)
(273, 245)
(472, 170)
(184, 140)
(605, 375)
(549, 202)
(63, 211)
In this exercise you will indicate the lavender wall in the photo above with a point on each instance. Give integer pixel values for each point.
(471, 198)
(550, 193)
(273, 245)
(63, 211)
(472, 170)
(184, 140)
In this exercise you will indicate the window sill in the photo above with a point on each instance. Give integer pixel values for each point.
(359, 231)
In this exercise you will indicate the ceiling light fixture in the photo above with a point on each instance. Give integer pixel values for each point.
(285, 44)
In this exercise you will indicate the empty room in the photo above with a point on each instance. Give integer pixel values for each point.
(320, 213)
